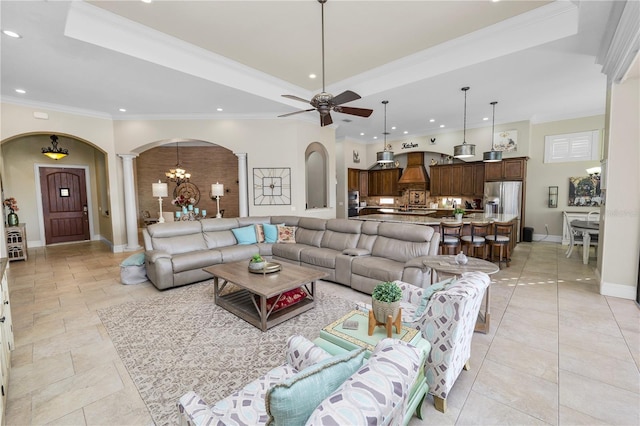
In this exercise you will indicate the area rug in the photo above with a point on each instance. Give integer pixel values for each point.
(181, 341)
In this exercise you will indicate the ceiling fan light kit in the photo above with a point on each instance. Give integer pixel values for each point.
(385, 156)
(492, 156)
(465, 150)
(324, 102)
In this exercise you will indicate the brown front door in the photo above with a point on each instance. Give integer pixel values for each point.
(64, 205)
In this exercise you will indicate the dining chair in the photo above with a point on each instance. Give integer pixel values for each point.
(593, 216)
(477, 239)
(501, 238)
(450, 237)
(575, 236)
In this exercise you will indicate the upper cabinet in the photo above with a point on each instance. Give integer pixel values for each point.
(384, 182)
(462, 179)
(364, 183)
(507, 169)
(353, 179)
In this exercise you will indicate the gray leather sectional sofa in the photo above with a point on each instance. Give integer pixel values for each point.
(358, 254)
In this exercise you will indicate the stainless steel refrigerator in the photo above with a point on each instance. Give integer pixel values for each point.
(504, 198)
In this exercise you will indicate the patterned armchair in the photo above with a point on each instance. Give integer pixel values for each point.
(447, 320)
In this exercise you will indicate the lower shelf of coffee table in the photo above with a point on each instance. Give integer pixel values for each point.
(240, 304)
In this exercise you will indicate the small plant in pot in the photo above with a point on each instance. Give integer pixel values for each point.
(257, 262)
(386, 301)
(458, 212)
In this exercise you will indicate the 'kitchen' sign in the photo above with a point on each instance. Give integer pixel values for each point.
(407, 145)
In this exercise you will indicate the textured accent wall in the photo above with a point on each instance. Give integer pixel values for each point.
(207, 165)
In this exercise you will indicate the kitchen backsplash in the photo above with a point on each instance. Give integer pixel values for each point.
(415, 198)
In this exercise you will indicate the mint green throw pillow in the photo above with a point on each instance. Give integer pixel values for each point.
(292, 401)
(428, 292)
(270, 232)
(245, 235)
(134, 260)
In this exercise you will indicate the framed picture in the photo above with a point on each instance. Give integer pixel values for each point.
(272, 186)
(505, 141)
(584, 191)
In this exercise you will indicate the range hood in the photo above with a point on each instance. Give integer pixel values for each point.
(415, 174)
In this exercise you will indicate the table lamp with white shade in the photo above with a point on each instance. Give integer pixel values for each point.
(159, 190)
(217, 191)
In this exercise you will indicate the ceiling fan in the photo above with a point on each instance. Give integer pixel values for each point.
(325, 102)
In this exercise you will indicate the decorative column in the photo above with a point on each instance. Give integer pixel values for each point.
(131, 221)
(243, 184)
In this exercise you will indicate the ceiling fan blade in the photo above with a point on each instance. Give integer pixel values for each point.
(295, 98)
(344, 97)
(325, 120)
(297, 112)
(361, 112)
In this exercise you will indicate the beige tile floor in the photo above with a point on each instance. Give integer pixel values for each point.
(557, 351)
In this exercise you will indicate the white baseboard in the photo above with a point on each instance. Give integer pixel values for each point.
(35, 243)
(618, 290)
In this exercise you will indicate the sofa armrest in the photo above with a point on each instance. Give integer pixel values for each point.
(302, 353)
(356, 252)
(382, 386)
(194, 411)
(153, 255)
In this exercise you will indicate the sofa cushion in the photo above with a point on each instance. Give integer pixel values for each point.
(288, 251)
(310, 231)
(341, 234)
(286, 234)
(259, 232)
(180, 244)
(238, 252)
(195, 260)
(292, 401)
(323, 257)
(245, 235)
(377, 268)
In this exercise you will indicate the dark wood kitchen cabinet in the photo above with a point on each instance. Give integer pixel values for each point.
(364, 183)
(457, 179)
(384, 182)
(478, 179)
(353, 179)
(507, 169)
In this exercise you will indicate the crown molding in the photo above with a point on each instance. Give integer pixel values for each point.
(55, 107)
(617, 57)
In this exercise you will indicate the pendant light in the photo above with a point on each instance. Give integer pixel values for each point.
(492, 156)
(178, 174)
(385, 156)
(465, 150)
(54, 152)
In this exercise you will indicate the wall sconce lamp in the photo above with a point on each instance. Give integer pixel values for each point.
(159, 190)
(553, 196)
(217, 191)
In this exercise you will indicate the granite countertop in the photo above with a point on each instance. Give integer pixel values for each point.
(426, 220)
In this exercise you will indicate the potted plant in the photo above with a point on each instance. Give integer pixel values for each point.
(257, 262)
(458, 212)
(386, 301)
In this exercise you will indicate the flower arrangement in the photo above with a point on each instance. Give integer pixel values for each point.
(182, 201)
(12, 204)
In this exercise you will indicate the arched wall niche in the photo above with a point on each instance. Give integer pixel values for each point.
(316, 176)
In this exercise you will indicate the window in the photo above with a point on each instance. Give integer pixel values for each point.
(581, 146)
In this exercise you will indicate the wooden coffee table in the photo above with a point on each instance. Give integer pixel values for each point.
(243, 304)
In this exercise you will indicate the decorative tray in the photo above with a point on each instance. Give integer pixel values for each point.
(269, 268)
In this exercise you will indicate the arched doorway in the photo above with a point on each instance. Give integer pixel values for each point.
(316, 174)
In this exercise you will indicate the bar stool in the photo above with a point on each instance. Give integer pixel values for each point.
(450, 236)
(477, 239)
(500, 237)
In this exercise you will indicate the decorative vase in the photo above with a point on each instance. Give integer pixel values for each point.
(257, 266)
(461, 259)
(381, 310)
(12, 219)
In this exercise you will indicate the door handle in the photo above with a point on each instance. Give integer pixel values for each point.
(85, 209)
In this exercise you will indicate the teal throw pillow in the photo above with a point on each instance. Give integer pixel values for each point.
(270, 232)
(292, 401)
(245, 235)
(134, 260)
(428, 292)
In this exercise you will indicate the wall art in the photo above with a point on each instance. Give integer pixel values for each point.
(272, 186)
(584, 191)
(505, 141)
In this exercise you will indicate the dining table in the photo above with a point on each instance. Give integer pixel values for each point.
(587, 228)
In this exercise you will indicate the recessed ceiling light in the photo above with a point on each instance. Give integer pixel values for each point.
(219, 109)
(122, 110)
(11, 34)
(485, 118)
(375, 137)
(393, 128)
(312, 75)
(406, 132)
(147, 1)
(431, 120)
(441, 126)
(21, 91)
(362, 134)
